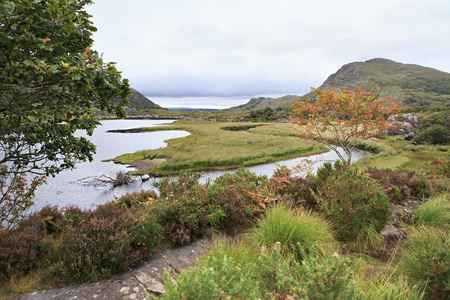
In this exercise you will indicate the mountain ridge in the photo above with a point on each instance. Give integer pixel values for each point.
(412, 84)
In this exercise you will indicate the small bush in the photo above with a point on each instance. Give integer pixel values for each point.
(298, 232)
(48, 220)
(440, 167)
(95, 249)
(218, 276)
(434, 135)
(401, 186)
(236, 210)
(107, 240)
(20, 251)
(329, 278)
(185, 208)
(276, 274)
(426, 260)
(137, 198)
(296, 191)
(353, 202)
(435, 212)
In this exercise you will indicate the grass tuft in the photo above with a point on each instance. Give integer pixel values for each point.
(299, 232)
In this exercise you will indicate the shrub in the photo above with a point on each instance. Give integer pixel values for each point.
(276, 274)
(137, 198)
(329, 278)
(218, 276)
(47, 221)
(144, 229)
(434, 212)
(440, 167)
(434, 135)
(235, 207)
(96, 249)
(109, 239)
(294, 190)
(298, 232)
(21, 251)
(401, 186)
(426, 260)
(73, 215)
(185, 208)
(353, 202)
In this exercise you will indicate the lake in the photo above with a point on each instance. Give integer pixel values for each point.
(76, 186)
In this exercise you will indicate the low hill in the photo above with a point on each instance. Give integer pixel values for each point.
(261, 103)
(138, 101)
(414, 85)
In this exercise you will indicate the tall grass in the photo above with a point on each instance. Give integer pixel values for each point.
(435, 212)
(426, 261)
(299, 232)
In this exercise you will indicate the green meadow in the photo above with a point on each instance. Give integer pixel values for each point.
(222, 145)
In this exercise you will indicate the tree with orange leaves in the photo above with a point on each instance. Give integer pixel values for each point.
(344, 117)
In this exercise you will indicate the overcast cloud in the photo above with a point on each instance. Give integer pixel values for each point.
(247, 48)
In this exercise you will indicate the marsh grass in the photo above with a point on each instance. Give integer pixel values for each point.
(299, 232)
(237, 247)
(387, 286)
(210, 147)
(35, 280)
(426, 261)
(435, 212)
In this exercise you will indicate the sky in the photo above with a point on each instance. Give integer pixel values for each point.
(222, 53)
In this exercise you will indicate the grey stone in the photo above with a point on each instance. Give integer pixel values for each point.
(120, 286)
(410, 136)
(391, 232)
(413, 119)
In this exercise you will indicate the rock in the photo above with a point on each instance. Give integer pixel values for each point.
(391, 232)
(402, 128)
(403, 212)
(412, 119)
(410, 136)
(399, 128)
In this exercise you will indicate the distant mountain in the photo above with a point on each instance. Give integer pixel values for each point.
(261, 103)
(192, 108)
(140, 102)
(414, 85)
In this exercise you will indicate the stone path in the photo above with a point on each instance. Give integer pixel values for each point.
(131, 284)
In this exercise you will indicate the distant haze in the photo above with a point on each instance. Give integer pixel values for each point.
(249, 48)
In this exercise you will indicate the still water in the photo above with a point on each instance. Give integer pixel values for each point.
(75, 186)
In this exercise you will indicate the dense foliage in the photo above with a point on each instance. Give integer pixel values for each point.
(50, 81)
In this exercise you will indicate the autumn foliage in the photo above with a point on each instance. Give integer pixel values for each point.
(344, 117)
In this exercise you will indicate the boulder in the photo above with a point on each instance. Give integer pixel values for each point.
(402, 127)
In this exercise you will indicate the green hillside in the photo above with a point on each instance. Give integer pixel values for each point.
(414, 85)
(140, 102)
(261, 103)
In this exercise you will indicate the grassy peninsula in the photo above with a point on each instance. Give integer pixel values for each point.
(220, 145)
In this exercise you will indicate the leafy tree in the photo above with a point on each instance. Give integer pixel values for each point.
(50, 82)
(344, 117)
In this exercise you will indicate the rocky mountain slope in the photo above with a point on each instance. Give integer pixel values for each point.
(138, 101)
(414, 85)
